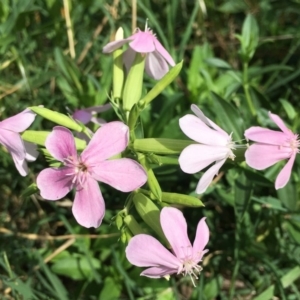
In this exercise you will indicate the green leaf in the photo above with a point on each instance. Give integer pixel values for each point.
(75, 267)
(111, 290)
(289, 109)
(286, 281)
(218, 63)
(228, 117)
(161, 84)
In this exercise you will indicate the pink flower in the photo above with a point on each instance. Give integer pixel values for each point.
(271, 147)
(86, 115)
(83, 171)
(215, 146)
(145, 42)
(145, 251)
(10, 138)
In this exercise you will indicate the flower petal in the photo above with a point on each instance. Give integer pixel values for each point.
(145, 251)
(208, 176)
(155, 65)
(98, 108)
(128, 58)
(83, 116)
(110, 139)
(21, 165)
(198, 131)
(158, 272)
(201, 239)
(89, 207)
(13, 142)
(194, 158)
(60, 143)
(198, 112)
(54, 184)
(143, 42)
(262, 156)
(31, 151)
(112, 46)
(266, 136)
(123, 174)
(164, 53)
(285, 174)
(278, 121)
(174, 227)
(19, 122)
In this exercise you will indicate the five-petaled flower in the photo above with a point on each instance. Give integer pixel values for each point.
(145, 251)
(271, 147)
(215, 146)
(83, 171)
(20, 151)
(145, 42)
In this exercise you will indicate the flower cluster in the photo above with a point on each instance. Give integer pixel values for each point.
(215, 145)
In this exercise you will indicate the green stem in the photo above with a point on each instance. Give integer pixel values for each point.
(246, 89)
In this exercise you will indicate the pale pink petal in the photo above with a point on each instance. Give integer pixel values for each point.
(198, 131)
(262, 156)
(285, 174)
(158, 272)
(123, 174)
(110, 139)
(198, 112)
(145, 251)
(61, 144)
(19, 122)
(163, 52)
(196, 157)
(54, 184)
(201, 239)
(112, 46)
(155, 65)
(21, 165)
(83, 116)
(98, 121)
(128, 58)
(143, 42)
(208, 176)
(31, 151)
(265, 136)
(98, 108)
(13, 142)
(89, 207)
(174, 227)
(278, 121)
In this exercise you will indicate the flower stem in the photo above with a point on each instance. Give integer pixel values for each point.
(246, 89)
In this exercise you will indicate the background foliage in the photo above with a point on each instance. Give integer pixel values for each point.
(241, 59)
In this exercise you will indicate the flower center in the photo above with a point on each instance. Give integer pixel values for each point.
(190, 264)
(231, 146)
(295, 143)
(80, 170)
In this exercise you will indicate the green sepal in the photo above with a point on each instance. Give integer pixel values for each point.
(118, 72)
(57, 118)
(161, 84)
(161, 146)
(134, 83)
(150, 213)
(152, 181)
(174, 198)
(133, 225)
(30, 190)
(39, 138)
